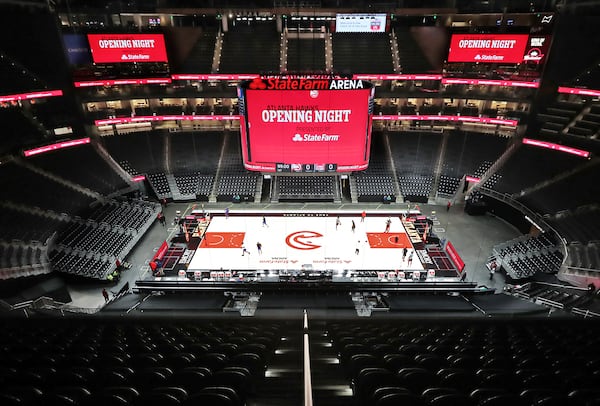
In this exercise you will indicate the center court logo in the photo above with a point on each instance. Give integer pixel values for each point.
(302, 240)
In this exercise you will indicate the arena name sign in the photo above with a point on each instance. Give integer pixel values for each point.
(305, 84)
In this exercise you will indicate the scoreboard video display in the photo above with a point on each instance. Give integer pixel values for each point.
(306, 125)
(122, 48)
(498, 48)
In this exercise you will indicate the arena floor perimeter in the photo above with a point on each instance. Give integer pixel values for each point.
(304, 241)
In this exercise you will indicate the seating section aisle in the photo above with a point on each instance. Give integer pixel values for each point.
(526, 256)
(187, 183)
(306, 188)
(558, 115)
(412, 59)
(578, 189)
(24, 187)
(115, 362)
(144, 152)
(28, 226)
(585, 256)
(92, 171)
(377, 181)
(193, 160)
(17, 131)
(581, 224)
(589, 124)
(18, 259)
(525, 362)
(250, 49)
(374, 50)
(89, 247)
(305, 54)
(160, 185)
(15, 78)
(201, 56)
(152, 361)
(195, 151)
(53, 113)
(515, 178)
(415, 155)
(465, 153)
(235, 183)
(562, 297)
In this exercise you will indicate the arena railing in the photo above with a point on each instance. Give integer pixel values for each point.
(308, 400)
(535, 217)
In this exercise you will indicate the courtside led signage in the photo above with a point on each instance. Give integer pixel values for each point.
(29, 96)
(54, 147)
(579, 91)
(464, 119)
(556, 147)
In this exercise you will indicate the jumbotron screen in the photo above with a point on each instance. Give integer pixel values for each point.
(487, 48)
(116, 48)
(306, 125)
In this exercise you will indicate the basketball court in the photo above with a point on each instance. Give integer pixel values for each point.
(304, 241)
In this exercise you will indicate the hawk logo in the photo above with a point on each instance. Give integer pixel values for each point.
(257, 83)
(300, 240)
(534, 54)
(297, 138)
(547, 19)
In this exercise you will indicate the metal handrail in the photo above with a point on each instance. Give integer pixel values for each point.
(556, 285)
(578, 268)
(527, 211)
(584, 312)
(308, 400)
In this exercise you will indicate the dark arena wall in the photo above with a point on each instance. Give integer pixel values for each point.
(299, 202)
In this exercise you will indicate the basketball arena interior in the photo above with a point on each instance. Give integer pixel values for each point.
(285, 202)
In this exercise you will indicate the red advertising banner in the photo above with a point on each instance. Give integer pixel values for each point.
(115, 48)
(54, 147)
(556, 147)
(488, 48)
(456, 259)
(307, 130)
(465, 119)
